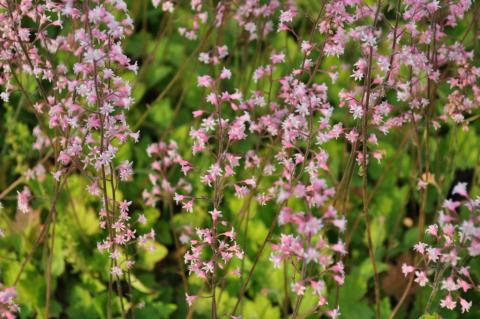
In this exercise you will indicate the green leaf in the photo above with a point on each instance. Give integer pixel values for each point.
(352, 292)
(158, 310)
(430, 316)
(137, 284)
(161, 113)
(148, 259)
(260, 308)
(58, 262)
(81, 304)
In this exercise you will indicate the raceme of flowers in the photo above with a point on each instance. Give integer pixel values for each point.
(300, 115)
(451, 241)
(81, 100)
(82, 103)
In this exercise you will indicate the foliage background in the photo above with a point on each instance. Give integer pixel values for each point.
(166, 93)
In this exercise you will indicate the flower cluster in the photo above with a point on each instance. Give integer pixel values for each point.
(165, 158)
(212, 249)
(8, 308)
(73, 52)
(452, 244)
(23, 199)
(310, 250)
(290, 118)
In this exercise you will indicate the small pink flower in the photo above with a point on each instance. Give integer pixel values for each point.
(322, 301)
(421, 278)
(460, 189)
(407, 269)
(215, 214)
(339, 247)
(116, 271)
(466, 305)
(317, 286)
(448, 303)
(23, 199)
(334, 313)
(340, 223)
(225, 74)
(298, 288)
(142, 219)
(306, 47)
(451, 205)
(125, 171)
(449, 284)
(277, 58)
(188, 206)
(178, 198)
(432, 230)
(57, 175)
(190, 299)
(287, 16)
(420, 248)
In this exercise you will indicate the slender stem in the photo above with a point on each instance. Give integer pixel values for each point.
(114, 203)
(43, 232)
(257, 258)
(286, 298)
(402, 298)
(438, 277)
(302, 278)
(174, 79)
(367, 88)
(49, 267)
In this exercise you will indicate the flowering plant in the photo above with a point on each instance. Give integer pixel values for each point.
(239, 159)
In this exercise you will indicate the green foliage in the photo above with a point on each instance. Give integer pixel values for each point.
(352, 299)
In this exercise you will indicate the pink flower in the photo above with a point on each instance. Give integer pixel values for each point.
(322, 301)
(407, 269)
(57, 175)
(421, 278)
(433, 254)
(466, 305)
(178, 198)
(124, 206)
(190, 299)
(287, 16)
(197, 113)
(188, 206)
(460, 189)
(225, 74)
(277, 58)
(306, 47)
(432, 230)
(465, 286)
(449, 284)
(340, 223)
(317, 286)
(116, 271)
(8, 307)
(451, 205)
(23, 199)
(334, 313)
(215, 214)
(142, 219)
(420, 248)
(298, 288)
(448, 303)
(125, 171)
(339, 247)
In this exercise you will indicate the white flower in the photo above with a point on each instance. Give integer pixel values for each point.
(5, 96)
